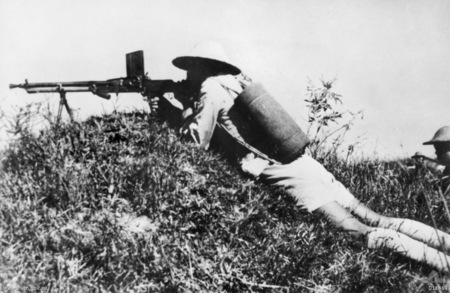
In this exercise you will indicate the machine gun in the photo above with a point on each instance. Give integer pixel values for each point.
(136, 81)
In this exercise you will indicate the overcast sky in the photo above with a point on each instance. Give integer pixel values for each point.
(391, 58)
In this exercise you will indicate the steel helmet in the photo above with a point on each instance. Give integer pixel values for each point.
(442, 135)
(418, 155)
(207, 52)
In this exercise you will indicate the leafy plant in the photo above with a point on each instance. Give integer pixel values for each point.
(328, 121)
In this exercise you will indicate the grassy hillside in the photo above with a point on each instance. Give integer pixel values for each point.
(119, 204)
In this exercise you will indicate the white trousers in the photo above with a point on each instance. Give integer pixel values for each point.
(308, 182)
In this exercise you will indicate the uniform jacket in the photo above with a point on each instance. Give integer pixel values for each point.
(215, 115)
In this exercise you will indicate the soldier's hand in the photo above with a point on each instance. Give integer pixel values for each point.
(154, 105)
(253, 166)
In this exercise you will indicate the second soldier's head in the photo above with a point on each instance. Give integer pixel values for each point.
(441, 143)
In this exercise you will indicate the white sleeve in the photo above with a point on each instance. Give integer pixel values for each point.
(201, 124)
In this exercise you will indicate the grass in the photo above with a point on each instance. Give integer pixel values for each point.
(67, 192)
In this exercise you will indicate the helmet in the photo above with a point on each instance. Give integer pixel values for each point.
(418, 155)
(442, 135)
(207, 52)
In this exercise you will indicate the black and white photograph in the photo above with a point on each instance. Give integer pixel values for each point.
(224, 146)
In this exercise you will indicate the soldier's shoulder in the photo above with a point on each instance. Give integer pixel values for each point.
(214, 84)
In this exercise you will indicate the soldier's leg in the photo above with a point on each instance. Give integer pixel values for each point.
(413, 229)
(343, 219)
(413, 249)
(377, 238)
(317, 190)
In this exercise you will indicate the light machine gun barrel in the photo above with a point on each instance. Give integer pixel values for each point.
(136, 81)
(68, 87)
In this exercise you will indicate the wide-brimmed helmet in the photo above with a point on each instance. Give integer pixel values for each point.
(442, 135)
(208, 53)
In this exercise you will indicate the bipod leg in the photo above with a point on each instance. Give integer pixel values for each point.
(63, 102)
(60, 108)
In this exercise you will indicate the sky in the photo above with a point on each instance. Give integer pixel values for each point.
(390, 58)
